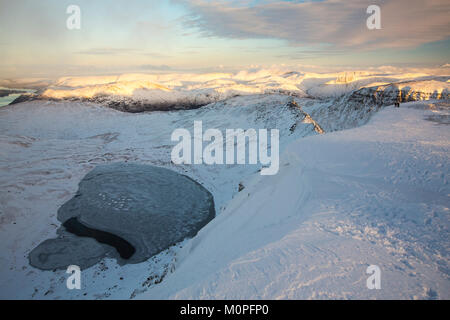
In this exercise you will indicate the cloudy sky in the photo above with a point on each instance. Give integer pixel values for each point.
(210, 35)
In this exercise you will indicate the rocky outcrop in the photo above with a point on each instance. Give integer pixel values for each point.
(306, 118)
(123, 104)
(136, 106)
(385, 95)
(25, 97)
(355, 109)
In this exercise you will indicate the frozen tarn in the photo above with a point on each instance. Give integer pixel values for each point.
(139, 210)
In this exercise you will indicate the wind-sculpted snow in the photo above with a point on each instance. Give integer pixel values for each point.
(342, 201)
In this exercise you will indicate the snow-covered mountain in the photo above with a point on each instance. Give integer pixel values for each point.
(143, 92)
(376, 194)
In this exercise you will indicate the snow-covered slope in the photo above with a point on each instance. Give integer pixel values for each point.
(375, 195)
(47, 148)
(340, 201)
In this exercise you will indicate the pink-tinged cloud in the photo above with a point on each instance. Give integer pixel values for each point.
(341, 23)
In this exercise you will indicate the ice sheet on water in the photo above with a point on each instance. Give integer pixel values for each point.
(149, 207)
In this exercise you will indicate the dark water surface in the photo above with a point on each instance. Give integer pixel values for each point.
(126, 211)
(123, 247)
